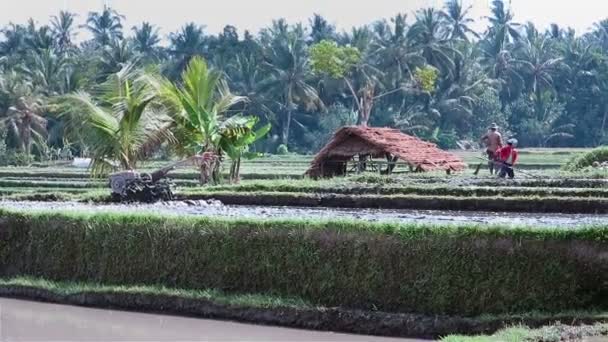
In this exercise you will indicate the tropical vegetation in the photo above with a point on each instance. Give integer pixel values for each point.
(428, 73)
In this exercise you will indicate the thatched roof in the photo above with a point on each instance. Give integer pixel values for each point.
(377, 142)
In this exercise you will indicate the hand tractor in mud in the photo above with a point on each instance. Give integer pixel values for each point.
(133, 186)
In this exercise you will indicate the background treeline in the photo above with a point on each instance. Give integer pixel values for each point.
(428, 73)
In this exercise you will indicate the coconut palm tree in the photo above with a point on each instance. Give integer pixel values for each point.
(190, 41)
(246, 78)
(394, 52)
(62, 27)
(503, 29)
(145, 41)
(46, 70)
(287, 65)
(115, 57)
(26, 123)
(200, 105)
(106, 26)
(538, 64)
(22, 110)
(13, 45)
(320, 29)
(431, 35)
(38, 38)
(120, 125)
(458, 20)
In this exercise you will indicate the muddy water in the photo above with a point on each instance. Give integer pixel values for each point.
(31, 321)
(373, 215)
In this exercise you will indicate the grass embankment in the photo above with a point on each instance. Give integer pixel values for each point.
(361, 192)
(510, 204)
(338, 186)
(82, 174)
(379, 278)
(348, 187)
(389, 267)
(294, 312)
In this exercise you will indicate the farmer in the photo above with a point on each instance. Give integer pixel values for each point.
(493, 142)
(507, 157)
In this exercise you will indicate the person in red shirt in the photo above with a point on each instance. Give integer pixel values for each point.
(507, 157)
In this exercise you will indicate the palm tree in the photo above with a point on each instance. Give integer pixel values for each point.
(320, 29)
(13, 44)
(286, 61)
(503, 29)
(106, 26)
(115, 57)
(45, 69)
(145, 41)
(199, 107)
(246, 78)
(431, 36)
(38, 38)
(600, 34)
(538, 64)
(190, 41)
(395, 53)
(63, 30)
(458, 20)
(26, 123)
(120, 125)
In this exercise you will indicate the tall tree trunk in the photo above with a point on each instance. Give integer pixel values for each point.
(286, 128)
(539, 105)
(367, 103)
(603, 130)
(288, 114)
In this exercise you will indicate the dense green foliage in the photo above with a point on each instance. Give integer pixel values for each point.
(119, 125)
(594, 157)
(429, 75)
(425, 269)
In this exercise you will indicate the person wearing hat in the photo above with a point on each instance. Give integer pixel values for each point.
(493, 142)
(507, 157)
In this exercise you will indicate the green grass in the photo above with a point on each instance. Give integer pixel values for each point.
(66, 288)
(291, 165)
(585, 160)
(63, 291)
(396, 187)
(429, 269)
(530, 156)
(421, 202)
(552, 333)
(350, 186)
(515, 334)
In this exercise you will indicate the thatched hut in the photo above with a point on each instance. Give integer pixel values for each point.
(372, 142)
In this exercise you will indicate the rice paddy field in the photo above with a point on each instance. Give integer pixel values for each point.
(279, 180)
(480, 255)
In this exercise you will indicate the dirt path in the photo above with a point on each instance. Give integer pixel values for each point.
(32, 321)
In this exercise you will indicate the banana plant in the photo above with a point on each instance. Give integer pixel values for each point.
(238, 133)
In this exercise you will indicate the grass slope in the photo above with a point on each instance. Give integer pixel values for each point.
(466, 270)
